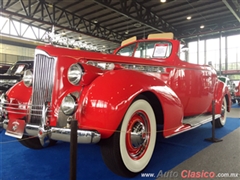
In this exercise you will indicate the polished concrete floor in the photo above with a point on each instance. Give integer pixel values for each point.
(219, 161)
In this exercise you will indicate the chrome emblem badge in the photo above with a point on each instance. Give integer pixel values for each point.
(15, 126)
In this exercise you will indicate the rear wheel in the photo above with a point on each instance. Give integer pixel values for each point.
(220, 122)
(128, 151)
(34, 142)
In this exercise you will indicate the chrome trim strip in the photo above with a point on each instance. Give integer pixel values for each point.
(14, 112)
(62, 134)
(138, 67)
(28, 105)
(22, 109)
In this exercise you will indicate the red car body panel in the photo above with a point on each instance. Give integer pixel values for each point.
(183, 89)
(237, 93)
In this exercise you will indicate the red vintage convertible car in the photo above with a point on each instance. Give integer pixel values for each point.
(118, 99)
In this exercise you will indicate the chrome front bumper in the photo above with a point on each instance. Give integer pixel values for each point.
(55, 133)
(60, 134)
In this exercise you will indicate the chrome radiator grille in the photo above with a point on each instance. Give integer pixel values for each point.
(43, 73)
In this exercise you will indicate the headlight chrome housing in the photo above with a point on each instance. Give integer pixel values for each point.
(69, 105)
(75, 73)
(28, 78)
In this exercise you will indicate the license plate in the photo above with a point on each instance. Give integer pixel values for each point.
(15, 128)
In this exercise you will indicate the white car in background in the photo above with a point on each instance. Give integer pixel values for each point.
(231, 87)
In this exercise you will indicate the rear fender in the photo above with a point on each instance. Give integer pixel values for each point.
(221, 92)
(107, 98)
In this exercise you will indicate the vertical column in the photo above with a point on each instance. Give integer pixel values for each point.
(205, 51)
(198, 47)
(187, 53)
(220, 53)
(226, 54)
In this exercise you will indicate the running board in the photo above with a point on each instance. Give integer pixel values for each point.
(199, 120)
(193, 122)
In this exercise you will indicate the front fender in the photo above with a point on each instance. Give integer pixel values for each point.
(107, 98)
(18, 96)
(221, 91)
(20, 91)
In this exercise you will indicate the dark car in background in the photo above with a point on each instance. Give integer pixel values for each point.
(14, 74)
(4, 67)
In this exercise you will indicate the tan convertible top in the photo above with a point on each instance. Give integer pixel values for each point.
(168, 35)
(132, 39)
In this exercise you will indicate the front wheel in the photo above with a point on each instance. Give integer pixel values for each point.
(129, 150)
(34, 142)
(220, 122)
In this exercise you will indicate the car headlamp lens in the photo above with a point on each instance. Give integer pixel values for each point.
(68, 105)
(75, 74)
(28, 78)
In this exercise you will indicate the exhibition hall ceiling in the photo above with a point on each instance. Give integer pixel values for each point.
(105, 23)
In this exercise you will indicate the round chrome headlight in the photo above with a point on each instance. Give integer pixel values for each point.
(69, 105)
(28, 78)
(75, 73)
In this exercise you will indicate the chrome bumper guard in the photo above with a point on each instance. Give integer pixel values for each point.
(61, 134)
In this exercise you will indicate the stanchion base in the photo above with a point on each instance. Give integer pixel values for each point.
(213, 139)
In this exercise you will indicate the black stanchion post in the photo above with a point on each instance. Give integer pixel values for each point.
(73, 150)
(213, 139)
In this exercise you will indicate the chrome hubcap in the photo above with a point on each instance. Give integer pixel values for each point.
(138, 135)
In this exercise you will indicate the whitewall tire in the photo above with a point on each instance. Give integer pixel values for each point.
(129, 151)
(220, 122)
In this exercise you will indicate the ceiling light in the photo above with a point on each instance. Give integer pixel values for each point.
(202, 26)
(126, 32)
(162, 1)
(189, 17)
(80, 37)
(137, 25)
(49, 5)
(95, 21)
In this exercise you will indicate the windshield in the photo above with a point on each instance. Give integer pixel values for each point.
(153, 49)
(148, 49)
(127, 51)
